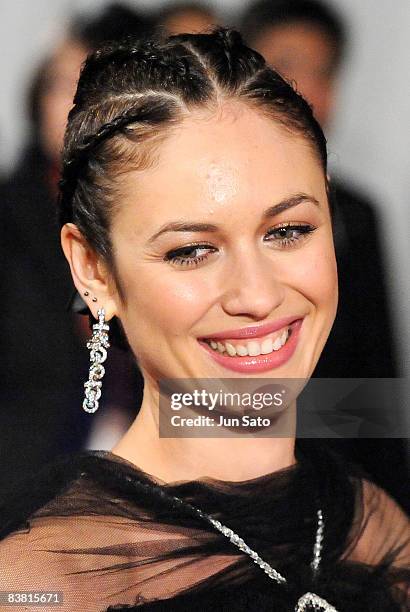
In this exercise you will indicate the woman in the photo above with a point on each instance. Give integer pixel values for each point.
(195, 213)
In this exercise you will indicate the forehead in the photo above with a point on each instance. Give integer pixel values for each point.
(300, 38)
(189, 20)
(214, 164)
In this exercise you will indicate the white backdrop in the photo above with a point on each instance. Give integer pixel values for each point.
(370, 140)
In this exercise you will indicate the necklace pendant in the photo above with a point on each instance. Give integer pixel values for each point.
(311, 600)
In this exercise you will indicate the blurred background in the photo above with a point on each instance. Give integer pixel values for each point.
(351, 61)
(369, 137)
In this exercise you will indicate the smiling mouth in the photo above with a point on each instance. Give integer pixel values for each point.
(270, 343)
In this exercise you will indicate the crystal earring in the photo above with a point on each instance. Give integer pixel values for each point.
(98, 345)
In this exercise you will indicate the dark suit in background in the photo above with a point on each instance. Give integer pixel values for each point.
(44, 362)
(40, 350)
(362, 343)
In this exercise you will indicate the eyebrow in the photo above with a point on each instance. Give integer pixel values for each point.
(272, 211)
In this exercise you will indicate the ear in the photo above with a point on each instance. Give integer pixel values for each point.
(89, 272)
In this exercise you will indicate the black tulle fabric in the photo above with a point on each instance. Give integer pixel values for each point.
(105, 533)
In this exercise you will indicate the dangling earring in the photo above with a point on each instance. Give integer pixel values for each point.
(98, 345)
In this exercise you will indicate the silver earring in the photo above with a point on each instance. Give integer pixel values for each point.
(98, 345)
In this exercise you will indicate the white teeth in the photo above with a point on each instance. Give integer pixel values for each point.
(221, 347)
(277, 344)
(267, 346)
(241, 350)
(254, 348)
(230, 349)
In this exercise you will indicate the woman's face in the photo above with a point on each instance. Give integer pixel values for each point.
(259, 251)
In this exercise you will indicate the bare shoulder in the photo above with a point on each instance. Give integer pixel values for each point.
(55, 554)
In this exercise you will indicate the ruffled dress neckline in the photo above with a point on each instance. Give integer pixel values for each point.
(102, 518)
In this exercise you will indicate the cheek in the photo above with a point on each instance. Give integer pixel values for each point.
(171, 301)
(314, 275)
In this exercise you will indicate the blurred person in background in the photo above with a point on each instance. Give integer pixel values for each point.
(191, 17)
(305, 41)
(197, 133)
(40, 388)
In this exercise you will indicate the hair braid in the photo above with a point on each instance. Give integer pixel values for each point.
(76, 165)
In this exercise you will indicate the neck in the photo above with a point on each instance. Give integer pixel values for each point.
(234, 457)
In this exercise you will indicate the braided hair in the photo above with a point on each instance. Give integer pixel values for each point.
(130, 94)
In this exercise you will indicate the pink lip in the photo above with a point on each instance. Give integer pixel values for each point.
(256, 331)
(260, 363)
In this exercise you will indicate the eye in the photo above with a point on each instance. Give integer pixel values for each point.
(288, 235)
(190, 255)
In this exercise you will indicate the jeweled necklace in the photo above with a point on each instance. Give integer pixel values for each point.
(308, 599)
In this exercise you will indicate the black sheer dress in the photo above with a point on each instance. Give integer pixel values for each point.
(87, 527)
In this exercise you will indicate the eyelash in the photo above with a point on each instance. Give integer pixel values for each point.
(304, 229)
(174, 257)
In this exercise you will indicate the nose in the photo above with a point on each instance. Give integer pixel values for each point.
(250, 286)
